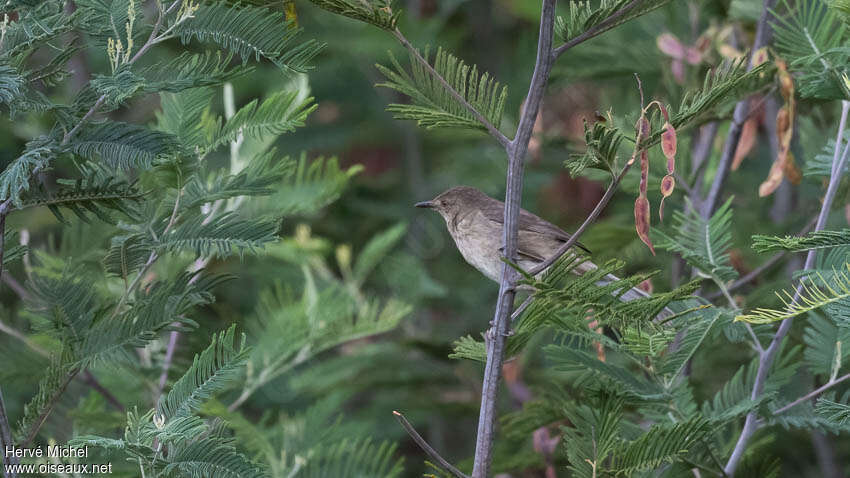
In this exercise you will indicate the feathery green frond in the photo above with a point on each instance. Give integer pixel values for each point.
(585, 15)
(211, 457)
(376, 249)
(95, 194)
(703, 244)
(316, 183)
(827, 345)
(813, 296)
(821, 163)
(354, 458)
(52, 384)
(432, 104)
(691, 338)
(191, 70)
(15, 179)
(279, 113)
(836, 413)
(661, 444)
(164, 306)
(809, 35)
(34, 28)
(186, 115)
(726, 83)
(812, 240)
(377, 12)
(603, 145)
(259, 178)
(123, 145)
(251, 32)
(211, 371)
(567, 359)
(11, 83)
(118, 87)
(223, 236)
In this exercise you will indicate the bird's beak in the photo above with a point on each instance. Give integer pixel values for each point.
(426, 204)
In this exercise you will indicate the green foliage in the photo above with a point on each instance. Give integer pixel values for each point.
(280, 113)
(211, 371)
(352, 458)
(123, 145)
(584, 16)
(376, 12)
(811, 38)
(15, 179)
(813, 295)
(603, 145)
(703, 244)
(223, 236)
(95, 194)
(432, 104)
(812, 240)
(251, 32)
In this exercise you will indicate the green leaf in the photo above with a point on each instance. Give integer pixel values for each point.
(661, 444)
(251, 32)
(210, 457)
(376, 12)
(123, 145)
(95, 194)
(586, 15)
(281, 112)
(15, 179)
(812, 297)
(221, 237)
(211, 371)
(812, 240)
(703, 244)
(432, 104)
(376, 249)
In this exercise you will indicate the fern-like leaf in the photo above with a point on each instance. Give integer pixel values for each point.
(377, 12)
(15, 179)
(432, 104)
(814, 295)
(94, 194)
(251, 32)
(280, 113)
(123, 145)
(221, 237)
(812, 240)
(586, 15)
(211, 371)
(703, 244)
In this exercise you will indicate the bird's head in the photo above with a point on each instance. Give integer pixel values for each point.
(454, 200)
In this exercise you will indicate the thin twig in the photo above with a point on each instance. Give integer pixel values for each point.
(496, 336)
(494, 131)
(42, 417)
(814, 393)
(91, 381)
(766, 358)
(426, 447)
(591, 218)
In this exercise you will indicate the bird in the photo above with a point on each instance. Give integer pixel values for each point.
(475, 222)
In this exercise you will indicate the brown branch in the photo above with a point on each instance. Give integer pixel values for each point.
(444, 464)
(494, 131)
(496, 336)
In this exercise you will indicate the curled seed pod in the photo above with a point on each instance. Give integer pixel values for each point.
(642, 221)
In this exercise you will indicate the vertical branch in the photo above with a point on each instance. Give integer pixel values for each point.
(5, 439)
(763, 32)
(839, 160)
(497, 335)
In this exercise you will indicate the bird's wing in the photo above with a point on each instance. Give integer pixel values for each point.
(495, 211)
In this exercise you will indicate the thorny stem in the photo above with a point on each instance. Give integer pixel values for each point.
(766, 358)
(494, 131)
(496, 336)
(444, 464)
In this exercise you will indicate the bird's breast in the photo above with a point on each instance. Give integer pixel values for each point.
(479, 241)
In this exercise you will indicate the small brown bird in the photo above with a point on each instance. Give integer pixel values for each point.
(475, 222)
